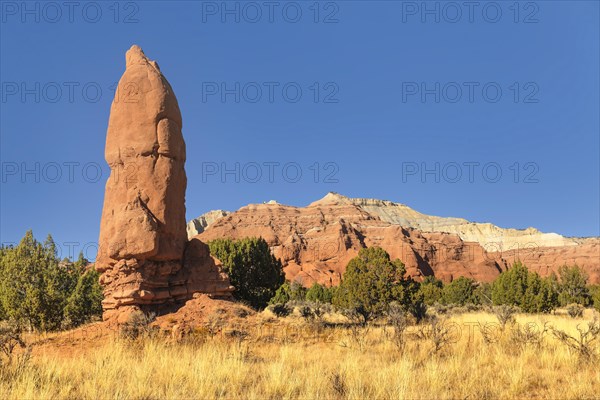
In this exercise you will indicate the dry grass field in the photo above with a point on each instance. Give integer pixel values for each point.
(466, 356)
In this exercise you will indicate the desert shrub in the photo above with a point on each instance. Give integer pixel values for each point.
(439, 331)
(572, 287)
(546, 299)
(12, 364)
(356, 315)
(35, 286)
(368, 283)
(575, 310)
(306, 312)
(399, 321)
(529, 334)
(432, 289)
(310, 311)
(483, 294)
(440, 309)
(408, 295)
(417, 308)
(505, 314)
(519, 287)
(288, 292)
(358, 327)
(282, 294)
(297, 292)
(459, 292)
(254, 272)
(138, 325)
(11, 337)
(509, 287)
(584, 344)
(279, 309)
(319, 294)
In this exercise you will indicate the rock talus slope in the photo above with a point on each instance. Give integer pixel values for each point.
(144, 255)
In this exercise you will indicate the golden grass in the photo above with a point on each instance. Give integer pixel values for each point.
(329, 363)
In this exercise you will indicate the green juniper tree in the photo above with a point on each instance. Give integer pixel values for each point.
(85, 301)
(35, 286)
(432, 289)
(254, 272)
(319, 294)
(459, 292)
(572, 286)
(519, 287)
(372, 281)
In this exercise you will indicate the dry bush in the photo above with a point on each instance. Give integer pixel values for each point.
(214, 325)
(439, 331)
(505, 314)
(575, 310)
(137, 326)
(241, 343)
(338, 385)
(529, 334)
(280, 310)
(585, 344)
(440, 309)
(488, 332)
(11, 337)
(399, 321)
(357, 328)
(12, 365)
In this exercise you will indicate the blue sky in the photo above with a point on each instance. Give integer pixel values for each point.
(499, 103)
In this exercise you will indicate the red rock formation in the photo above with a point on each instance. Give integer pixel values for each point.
(316, 242)
(547, 260)
(144, 255)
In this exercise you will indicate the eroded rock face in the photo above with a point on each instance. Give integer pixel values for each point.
(548, 260)
(316, 242)
(198, 225)
(491, 237)
(143, 229)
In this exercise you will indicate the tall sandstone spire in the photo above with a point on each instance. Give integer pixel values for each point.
(144, 256)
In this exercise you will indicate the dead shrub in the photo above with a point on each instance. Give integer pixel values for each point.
(584, 345)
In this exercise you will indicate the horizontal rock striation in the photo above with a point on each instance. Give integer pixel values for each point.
(316, 242)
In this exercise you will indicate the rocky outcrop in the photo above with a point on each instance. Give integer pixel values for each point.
(316, 242)
(490, 236)
(144, 255)
(547, 260)
(198, 225)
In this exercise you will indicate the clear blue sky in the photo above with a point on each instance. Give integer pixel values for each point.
(374, 134)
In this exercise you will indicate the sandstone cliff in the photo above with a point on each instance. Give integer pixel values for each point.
(492, 237)
(316, 242)
(197, 225)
